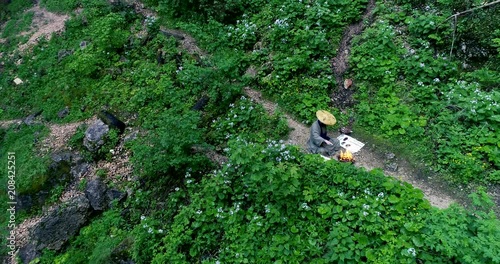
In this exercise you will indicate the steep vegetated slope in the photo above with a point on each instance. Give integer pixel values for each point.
(429, 80)
(269, 202)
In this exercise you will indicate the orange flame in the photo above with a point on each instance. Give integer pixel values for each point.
(346, 156)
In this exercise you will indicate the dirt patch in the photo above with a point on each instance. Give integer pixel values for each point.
(118, 169)
(7, 123)
(60, 134)
(43, 25)
(369, 159)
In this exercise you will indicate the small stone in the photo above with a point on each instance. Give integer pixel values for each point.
(83, 44)
(393, 166)
(131, 136)
(63, 113)
(31, 118)
(347, 83)
(79, 169)
(390, 156)
(18, 81)
(63, 53)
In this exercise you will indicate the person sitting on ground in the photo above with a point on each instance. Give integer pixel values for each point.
(319, 141)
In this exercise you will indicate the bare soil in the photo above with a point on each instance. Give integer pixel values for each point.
(43, 25)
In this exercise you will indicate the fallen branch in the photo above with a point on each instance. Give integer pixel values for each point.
(455, 16)
(454, 32)
(472, 9)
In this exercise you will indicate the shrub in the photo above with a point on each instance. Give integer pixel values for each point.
(166, 148)
(58, 6)
(248, 120)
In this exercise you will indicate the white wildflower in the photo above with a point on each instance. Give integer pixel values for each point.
(412, 252)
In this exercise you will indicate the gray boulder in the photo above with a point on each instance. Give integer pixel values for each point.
(28, 253)
(96, 194)
(111, 120)
(30, 120)
(63, 113)
(113, 194)
(392, 166)
(79, 167)
(94, 136)
(55, 229)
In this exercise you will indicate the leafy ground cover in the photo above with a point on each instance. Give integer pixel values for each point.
(186, 209)
(30, 169)
(413, 88)
(422, 79)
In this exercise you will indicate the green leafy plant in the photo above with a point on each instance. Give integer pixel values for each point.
(27, 170)
(65, 6)
(167, 147)
(110, 141)
(96, 242)
(310, 211)
(246, 119)
(82, 185)
(76, 141)
(101, 173)
(14, 27)
(55, 193)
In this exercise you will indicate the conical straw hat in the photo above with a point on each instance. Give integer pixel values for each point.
(326, 118)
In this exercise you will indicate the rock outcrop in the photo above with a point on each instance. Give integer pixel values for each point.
(55, 229)
(96, 194)
(94, 136)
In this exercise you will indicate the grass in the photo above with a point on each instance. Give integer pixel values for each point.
(30, 169)
(15, 26)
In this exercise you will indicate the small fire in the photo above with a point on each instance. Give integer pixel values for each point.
(346, 156)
